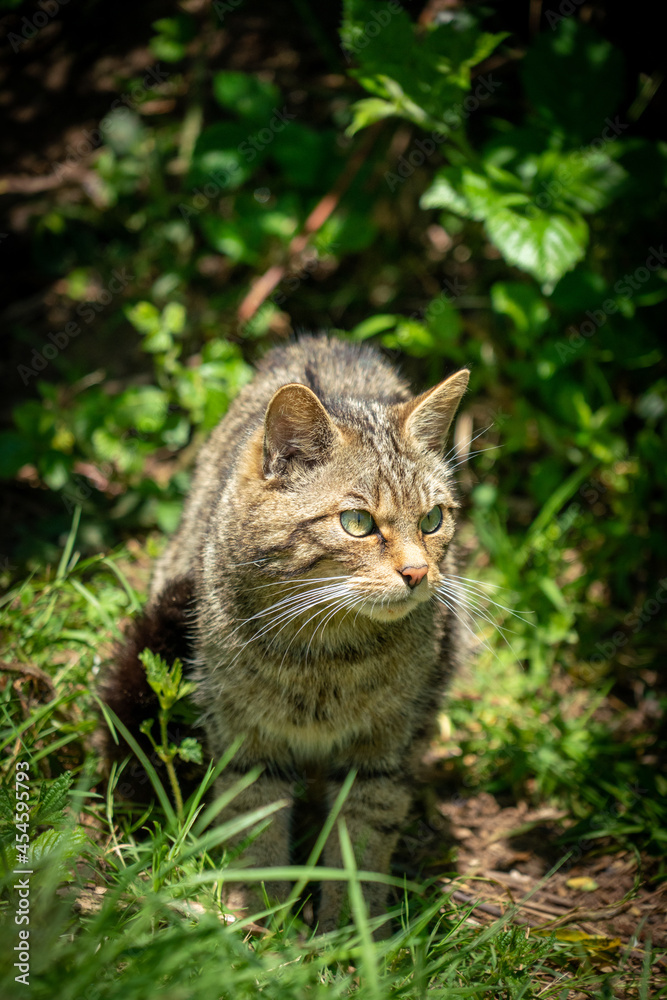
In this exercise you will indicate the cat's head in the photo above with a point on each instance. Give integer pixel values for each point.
(356, 502)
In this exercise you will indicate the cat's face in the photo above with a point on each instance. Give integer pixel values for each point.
(376, 520)
(354, 514)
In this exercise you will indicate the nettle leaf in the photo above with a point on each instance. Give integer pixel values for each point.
(52, 799)
(58, 846)
(574, 79)
(586, 180)
(545, 245)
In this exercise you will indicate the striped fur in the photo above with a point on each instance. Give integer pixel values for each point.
(307, 640)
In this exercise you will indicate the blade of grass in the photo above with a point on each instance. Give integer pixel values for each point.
(61, 572)
(322, 838)
(114, 723)
(359, 912)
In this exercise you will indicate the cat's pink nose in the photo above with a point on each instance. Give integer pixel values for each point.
(414, 575)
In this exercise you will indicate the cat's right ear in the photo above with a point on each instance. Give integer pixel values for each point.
(428, 417)
(297, 429)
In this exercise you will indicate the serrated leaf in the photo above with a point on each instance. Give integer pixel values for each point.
(544, 245)
(57, 845)
(6, 806)
(53, 796)
(190, 750)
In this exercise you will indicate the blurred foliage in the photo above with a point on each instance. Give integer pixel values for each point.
(500, 214)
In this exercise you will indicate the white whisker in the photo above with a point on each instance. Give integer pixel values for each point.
(472, 454)
(468, 588)
(454, 447)
(453, 611)
(466, 601)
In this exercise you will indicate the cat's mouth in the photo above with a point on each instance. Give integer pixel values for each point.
(390, 608)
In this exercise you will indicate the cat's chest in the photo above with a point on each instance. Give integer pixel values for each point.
(315, 704)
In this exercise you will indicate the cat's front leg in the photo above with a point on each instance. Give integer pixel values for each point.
(271, 847)
(374, 813)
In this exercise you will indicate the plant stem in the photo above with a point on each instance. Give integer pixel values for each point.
(168, 760)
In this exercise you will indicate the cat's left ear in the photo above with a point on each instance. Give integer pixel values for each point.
(428, 417)
(297, 428)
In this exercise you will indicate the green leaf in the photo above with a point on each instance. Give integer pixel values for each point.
(167, 681)
(246, 95)
(445, 192)
(423, 76)
(190, 750)
(444, 320)
(368, 111)
(144, 317)
(373, 325)
(58, 845)
(173, 317)
(589, 181)
(143, 408)
(230, 238)
(412, 337)
(53, 797)
(544, 245)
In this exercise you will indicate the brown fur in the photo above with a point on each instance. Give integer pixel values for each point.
(163, 628)
(320, 688)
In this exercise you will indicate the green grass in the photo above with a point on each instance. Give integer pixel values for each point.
(130, 906)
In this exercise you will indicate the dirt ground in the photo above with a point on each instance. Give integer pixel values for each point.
(508, 860)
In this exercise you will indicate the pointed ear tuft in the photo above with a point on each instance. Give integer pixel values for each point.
(297, 429)
(429, 416)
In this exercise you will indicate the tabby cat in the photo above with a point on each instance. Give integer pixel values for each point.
(308, 575)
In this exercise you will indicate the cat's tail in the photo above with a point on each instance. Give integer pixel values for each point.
(164, 628)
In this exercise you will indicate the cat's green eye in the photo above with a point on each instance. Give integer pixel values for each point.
(432, 521)
(357, 522)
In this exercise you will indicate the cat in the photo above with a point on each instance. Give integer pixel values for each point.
(306, 581)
